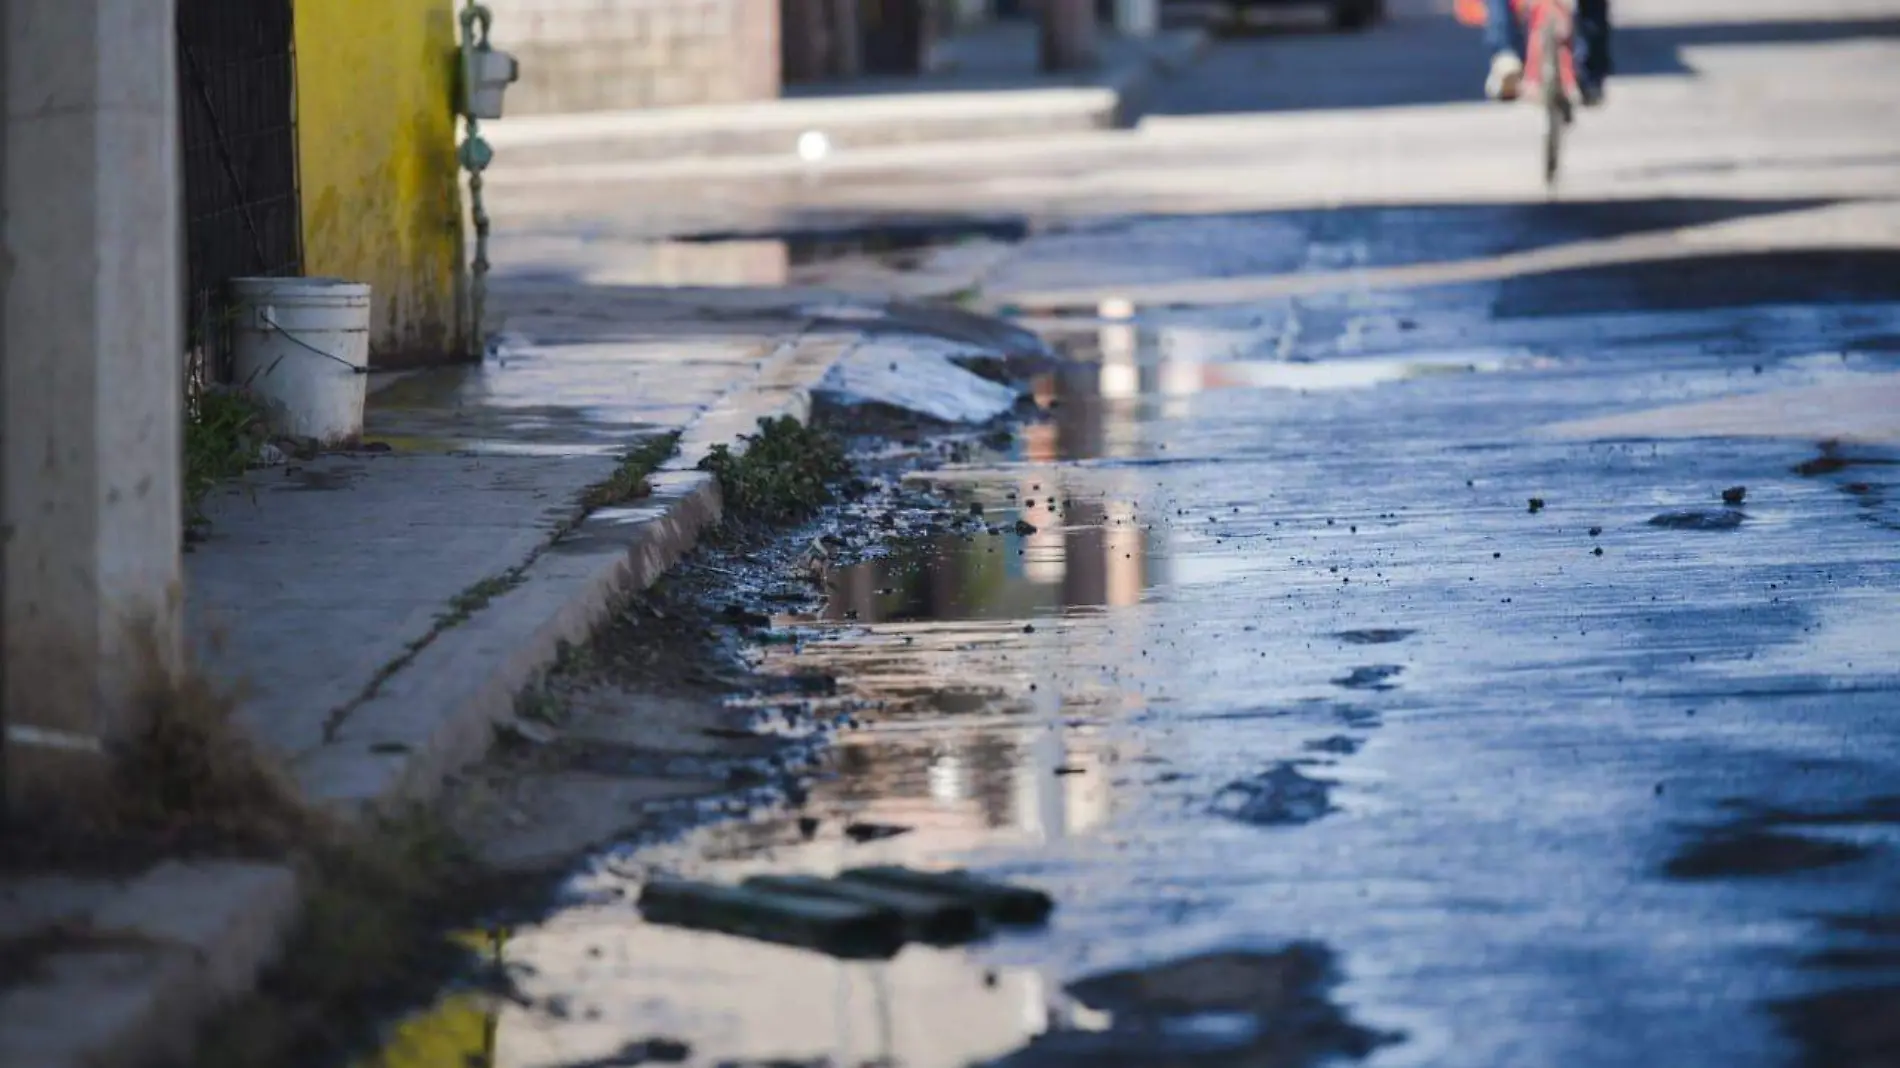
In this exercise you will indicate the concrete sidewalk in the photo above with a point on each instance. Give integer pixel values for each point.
(990, 88)
(363, 598)
(381, 609)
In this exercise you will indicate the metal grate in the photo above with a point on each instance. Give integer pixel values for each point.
(236, 71)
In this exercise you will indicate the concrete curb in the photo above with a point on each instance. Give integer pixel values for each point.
(1115, 97)
(439, 713)
(148, 960)
(151, 958)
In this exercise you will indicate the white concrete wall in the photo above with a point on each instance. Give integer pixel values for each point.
(90, 379)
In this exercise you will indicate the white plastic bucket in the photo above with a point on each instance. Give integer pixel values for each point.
(301, 345)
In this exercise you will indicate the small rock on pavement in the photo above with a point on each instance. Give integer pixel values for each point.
(661, 1050)
(1717, 520)
(1374, 635)
(1371, 677)
(1734, 494)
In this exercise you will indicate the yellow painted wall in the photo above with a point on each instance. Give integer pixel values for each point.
(376, 137)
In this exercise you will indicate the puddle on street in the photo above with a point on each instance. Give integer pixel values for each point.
(884, 256)
(595, 983)
(1076, 558)
(1260, 689)
(746, 1002)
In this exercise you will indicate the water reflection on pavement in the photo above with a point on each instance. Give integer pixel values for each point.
(1262, 647)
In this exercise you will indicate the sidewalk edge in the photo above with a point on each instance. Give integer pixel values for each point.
(441, 711)
(190, 937)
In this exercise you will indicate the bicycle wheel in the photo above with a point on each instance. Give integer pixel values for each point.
(1550, 83)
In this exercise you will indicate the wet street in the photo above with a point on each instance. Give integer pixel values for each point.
(1455, 629)
(1292, 656)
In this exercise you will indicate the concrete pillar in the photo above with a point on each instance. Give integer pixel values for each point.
(89, 379)
(1068, 35)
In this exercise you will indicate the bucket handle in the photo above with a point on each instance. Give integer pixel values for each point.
(264, 316)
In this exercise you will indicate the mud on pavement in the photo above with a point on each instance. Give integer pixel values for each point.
(689, 739)
(662, 721)
(693, 738)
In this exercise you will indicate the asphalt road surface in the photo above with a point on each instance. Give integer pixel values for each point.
(1460, 622)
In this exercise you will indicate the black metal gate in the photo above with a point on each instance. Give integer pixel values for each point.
(236, 103)
(894, 35)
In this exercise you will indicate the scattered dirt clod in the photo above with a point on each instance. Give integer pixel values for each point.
(1724, 519)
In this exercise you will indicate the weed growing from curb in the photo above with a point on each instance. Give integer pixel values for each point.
(476, 597)
(629, 480)
(627, 483)
(223, 429)
(785, 474)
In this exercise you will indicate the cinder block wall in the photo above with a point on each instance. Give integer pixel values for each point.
(610, 55)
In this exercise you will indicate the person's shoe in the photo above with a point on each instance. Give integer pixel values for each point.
(1506, 77)
(1590, 94)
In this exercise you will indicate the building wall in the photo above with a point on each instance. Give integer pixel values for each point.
(376, 135)
(609, 55)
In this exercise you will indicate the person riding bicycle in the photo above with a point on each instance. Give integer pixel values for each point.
(1504, 36)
